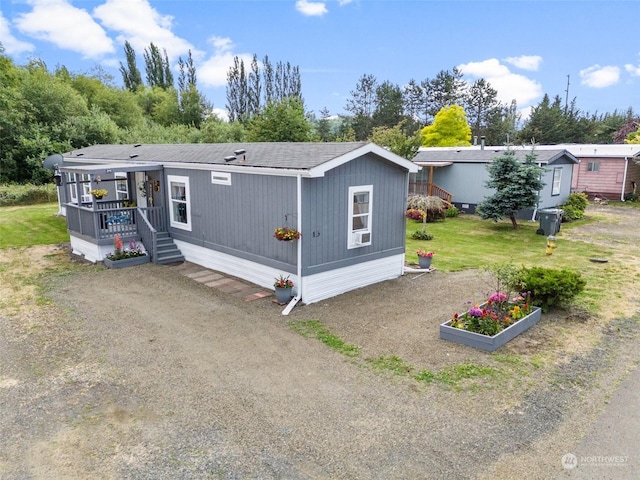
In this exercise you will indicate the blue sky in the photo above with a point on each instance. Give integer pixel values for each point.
(523, 48)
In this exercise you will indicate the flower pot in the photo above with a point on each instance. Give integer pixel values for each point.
(425, 262)
(484, 342)
(283, 295)
(127, 262)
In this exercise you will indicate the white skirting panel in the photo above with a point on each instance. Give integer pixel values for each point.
(329, 284)
(90, 251)
(253, 272)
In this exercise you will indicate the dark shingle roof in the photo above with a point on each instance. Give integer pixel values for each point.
(487, 155)
(274, 155)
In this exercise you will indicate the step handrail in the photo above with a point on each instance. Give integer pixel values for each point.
(148, 234)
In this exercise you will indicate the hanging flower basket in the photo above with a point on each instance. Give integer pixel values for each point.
(98, 193)
(286, 234)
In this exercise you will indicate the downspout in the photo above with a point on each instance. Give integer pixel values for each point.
(535, 210)
(624, 178)
(298, 296)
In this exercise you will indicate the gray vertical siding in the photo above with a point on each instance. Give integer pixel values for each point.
(325, 214)
(239, 219)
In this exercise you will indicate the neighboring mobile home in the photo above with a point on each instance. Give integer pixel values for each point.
(461, 173)
(217, 205)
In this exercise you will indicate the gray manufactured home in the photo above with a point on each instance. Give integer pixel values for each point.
(461, 173)
(217, 205)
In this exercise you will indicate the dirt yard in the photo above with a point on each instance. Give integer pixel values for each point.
(145, 373)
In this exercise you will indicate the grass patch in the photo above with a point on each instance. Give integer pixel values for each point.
(392, 363)
(315, 329)
(31, 225)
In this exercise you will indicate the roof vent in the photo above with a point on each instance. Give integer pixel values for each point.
(79, 154)
(133, 156)
(137, 145)
(230, 158)
(240, 152)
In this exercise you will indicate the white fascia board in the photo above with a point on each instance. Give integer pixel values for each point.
(320, 170)
(213, 167)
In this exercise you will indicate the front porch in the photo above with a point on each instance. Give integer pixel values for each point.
(127, 210)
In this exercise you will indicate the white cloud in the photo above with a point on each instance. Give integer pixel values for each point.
(344, 2)
(509, 85)
(633, 69)
(67, 27)
(213, 71)
(311, 9)
(525, 62)
(11, 44)
(600, 77)
(139, 23)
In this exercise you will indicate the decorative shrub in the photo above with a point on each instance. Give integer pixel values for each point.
(571, 213)
(578, 200)
(551, 287)
(452, 212)
(421, 235)
(433, 206)
(416, 214)
(574, 208)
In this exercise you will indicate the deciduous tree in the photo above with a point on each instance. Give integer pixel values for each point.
(449, 129)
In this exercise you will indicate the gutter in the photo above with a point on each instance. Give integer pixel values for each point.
(298, 296)
(624, 177)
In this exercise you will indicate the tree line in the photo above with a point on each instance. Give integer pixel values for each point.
(44, 112)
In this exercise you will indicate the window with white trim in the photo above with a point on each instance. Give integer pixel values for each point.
(86, 187)
(593, 166)
(179, 202)
(122, 186)
(360, 215)
(557, 181)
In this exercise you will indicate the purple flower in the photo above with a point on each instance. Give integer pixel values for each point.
(475, 311)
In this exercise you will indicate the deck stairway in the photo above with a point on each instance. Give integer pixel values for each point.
(167, 252)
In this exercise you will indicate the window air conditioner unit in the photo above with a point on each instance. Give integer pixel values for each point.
(362, 237)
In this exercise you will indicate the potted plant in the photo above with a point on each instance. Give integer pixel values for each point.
(283, 288)
(98, 193)
(424, 259)
(125, 257)
(286, 234)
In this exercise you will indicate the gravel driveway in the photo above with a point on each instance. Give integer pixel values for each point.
(145, 373)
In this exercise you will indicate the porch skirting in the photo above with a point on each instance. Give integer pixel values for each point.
(315, 287)
(91, 252)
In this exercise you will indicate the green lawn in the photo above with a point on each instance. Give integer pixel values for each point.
(467, 241)
(31, 225)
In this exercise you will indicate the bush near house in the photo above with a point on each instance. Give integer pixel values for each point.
(550, 287)
(574, 208)
(433, 206)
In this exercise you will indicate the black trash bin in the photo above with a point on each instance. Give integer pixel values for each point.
(550, 220)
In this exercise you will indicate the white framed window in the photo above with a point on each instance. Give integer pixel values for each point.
(557, 181)
(86, 188)
(593, 166)
(360, 216)
(221, 178)
(71, 184)
(179, 202)
(122, 186)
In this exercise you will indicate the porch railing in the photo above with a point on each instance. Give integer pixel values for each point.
(432, 190)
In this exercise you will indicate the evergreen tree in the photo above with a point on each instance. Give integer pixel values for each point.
(448, 88)
(324, 126)
(130, 74)
(516, 187)
(389, 108)
(482, 107)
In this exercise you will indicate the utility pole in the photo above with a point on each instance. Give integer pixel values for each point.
(566, 98)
